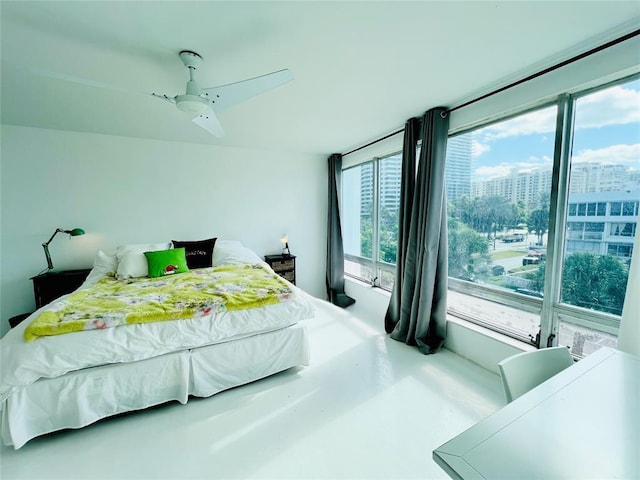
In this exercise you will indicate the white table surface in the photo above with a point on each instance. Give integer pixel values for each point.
(583, 423)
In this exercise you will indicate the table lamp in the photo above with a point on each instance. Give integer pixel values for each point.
(285, 242)
(73, 233)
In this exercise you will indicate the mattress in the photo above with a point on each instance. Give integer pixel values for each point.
(82, 397)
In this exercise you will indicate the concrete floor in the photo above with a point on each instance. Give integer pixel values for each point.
(367, 407)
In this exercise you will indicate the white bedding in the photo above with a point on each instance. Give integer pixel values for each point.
(85, 396)
(74, 379)
(49, 357)
(24, 363)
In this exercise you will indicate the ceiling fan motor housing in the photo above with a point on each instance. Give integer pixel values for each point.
(192, 104)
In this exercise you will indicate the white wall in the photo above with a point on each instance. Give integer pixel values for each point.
(125, 190)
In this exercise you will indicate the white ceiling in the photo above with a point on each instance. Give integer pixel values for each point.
(361, 68)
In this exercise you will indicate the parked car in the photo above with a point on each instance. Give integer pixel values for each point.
(534, 258)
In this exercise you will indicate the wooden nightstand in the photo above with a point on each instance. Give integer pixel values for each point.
(283, 265)
(50, 285)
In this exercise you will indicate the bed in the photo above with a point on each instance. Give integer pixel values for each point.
(71, 380)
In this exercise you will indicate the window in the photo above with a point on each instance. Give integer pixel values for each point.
(369, 207)
(616, 209)
(582, 209)
(628, 208)
(575, 295)
(511, 193)
(595, 278)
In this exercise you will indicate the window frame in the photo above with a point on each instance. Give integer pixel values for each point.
(550, 308)
(378, 267)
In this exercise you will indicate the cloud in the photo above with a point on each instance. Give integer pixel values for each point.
(614, 154)
(478, 148)
(505, 169)
(495, 171)
(614, 106)
(540, 121)
(619, 105)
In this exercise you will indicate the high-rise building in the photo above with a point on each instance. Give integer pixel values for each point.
(458, 171)
(596, 177)
(525, 187)
(390, 179)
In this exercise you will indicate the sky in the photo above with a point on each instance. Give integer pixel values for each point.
(607, 130)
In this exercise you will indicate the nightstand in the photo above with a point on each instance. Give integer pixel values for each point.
(13, 321)
(283, 265)
(50, 285)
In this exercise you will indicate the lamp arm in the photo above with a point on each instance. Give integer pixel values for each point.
(58, 230)
(45, 245)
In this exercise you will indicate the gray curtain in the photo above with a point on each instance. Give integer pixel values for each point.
(418, 306)
(335, 252)
(407, 187)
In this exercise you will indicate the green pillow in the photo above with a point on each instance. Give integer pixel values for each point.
(166, 262)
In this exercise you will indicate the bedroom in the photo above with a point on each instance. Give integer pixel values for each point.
(128, 169)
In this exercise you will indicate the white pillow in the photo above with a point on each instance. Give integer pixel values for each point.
(233, 252)
(104, 265)
(131, 260)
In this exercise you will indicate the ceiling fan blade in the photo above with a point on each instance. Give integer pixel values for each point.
(210, 123)
(164, 97)
(231, 94)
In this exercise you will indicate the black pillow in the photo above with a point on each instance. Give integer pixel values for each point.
(199, 254)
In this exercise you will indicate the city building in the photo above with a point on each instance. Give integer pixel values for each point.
(602, 222)
(458, 171)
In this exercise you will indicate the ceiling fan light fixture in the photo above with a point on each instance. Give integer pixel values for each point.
(192, 104)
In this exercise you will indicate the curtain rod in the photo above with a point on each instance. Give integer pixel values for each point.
(517, 82)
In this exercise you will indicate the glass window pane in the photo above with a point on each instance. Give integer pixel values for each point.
(582, 209)
(616, 208)
(605, 175)
(390, 175)
(628, 208)
(356, 209)
(572, 209)
(498, 181)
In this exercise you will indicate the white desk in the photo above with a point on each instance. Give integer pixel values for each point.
(583, 423)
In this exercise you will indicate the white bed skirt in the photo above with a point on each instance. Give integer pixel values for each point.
(80, 398)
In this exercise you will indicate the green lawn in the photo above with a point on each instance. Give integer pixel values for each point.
(506, 254)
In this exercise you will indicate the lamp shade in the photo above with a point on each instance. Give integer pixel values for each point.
(76, 231)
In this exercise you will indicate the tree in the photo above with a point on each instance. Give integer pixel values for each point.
(388, 231)
(594, 281)
(366, 236)
(539, 222)
(487, 214)
(465, 247)
(539, 219)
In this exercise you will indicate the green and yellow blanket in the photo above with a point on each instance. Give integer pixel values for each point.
(111, 302)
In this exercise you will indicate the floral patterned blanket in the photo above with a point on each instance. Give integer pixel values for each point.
(204, 291)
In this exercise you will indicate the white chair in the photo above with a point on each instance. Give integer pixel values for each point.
(523, 371)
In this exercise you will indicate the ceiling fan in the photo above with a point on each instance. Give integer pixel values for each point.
(202, 103)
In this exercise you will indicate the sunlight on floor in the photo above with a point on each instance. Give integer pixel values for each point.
(366, 407)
